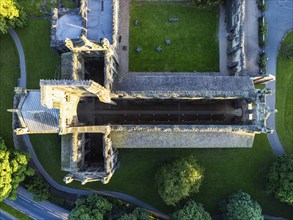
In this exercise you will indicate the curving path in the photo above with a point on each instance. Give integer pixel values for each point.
(6, 215)
(279, 16)
(22, 81)
(52, 182)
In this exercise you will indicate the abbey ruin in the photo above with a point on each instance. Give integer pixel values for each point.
(98, 109)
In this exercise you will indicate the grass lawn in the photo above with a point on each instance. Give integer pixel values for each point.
(17, 214)
(9, 72)
(226, 171)
(194, 38)
(33, 7)
(41, 61)
(284, 96)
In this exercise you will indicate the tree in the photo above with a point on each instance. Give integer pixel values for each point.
(11, 15)
(239, 206)
(13, 169)
(280, 179)
(190, 211)
(128, 217)
(204, 3)
(179, 179)
(92, 207)
(137, 214)
(36, 186)
(142, 214)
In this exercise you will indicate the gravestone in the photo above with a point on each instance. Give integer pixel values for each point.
(136, 22)
(173, 19)
(159, 49)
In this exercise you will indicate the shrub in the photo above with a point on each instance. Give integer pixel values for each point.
(179, 179)
(262, 5)
(280, 179)
(36, 186)
(92, 207)
(190, 211)
(205, 3)
(262, 61)
(239, 206)
(11, 15)
(262, 32)
(13, 169)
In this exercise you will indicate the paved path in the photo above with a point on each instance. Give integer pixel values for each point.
(252, 49)
(22, 82)
(36, 210)
(222, 35)
(6, 216)
(280, 20)
(124, 9)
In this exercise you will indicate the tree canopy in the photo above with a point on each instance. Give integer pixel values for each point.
(13, 169)
(190, 211)
(177, 180)
(36, 186)
(239, 206)
(11, 15)
(136, 214)
(92, 207)
(280, 179)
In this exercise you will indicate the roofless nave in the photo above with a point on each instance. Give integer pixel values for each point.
(97, 109)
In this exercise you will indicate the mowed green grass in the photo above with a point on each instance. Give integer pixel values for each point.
(33, 7)
(41, 61)
(9, 73)
(17, 214)
(226, 171)
(194, 38)
(284, 97)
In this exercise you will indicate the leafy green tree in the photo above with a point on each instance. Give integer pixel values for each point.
(11, 15)
(179, 179)
(280, 179)
(190, 211)
(205, 3)
(142, 214)
(239, 206)
(13, 169)
(36, 186)
(92, 207)
(128, 217)
(137, 214)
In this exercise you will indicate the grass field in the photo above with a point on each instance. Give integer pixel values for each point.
(41, 61)
(284, 97)
(226, 171)
(33, 7)
(17, 214)
(9, 73)
(194, 42)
